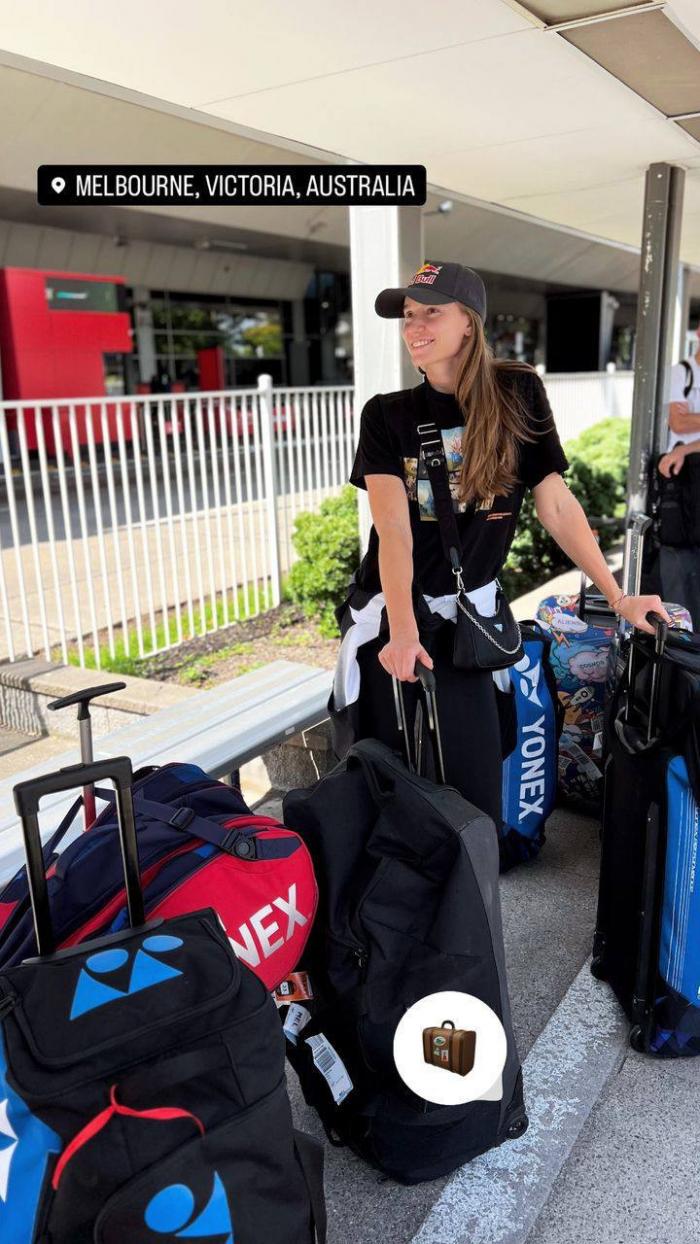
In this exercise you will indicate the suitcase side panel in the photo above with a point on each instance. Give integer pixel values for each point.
(463, 1048)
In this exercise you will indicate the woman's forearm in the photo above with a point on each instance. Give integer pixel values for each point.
(396, 575)
(572, 532)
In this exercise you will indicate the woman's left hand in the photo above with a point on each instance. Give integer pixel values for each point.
(635, 609)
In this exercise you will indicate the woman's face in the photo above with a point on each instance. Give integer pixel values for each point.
(434, 333)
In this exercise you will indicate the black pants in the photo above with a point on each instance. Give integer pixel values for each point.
(468, 711)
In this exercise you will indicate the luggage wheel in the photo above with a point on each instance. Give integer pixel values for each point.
(598, 968)
(518, 1127)
(637, 1039)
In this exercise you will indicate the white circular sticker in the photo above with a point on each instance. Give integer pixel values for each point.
(450, 1048)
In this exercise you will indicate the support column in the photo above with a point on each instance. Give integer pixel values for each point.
(386, 248)
(682, 313)
(299, 346)
(663, 209)
(145, 337)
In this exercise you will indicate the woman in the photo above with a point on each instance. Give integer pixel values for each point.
(499, 438)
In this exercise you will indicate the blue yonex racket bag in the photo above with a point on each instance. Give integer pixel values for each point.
(530, 771)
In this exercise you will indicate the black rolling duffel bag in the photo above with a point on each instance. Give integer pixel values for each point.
(647, 940)
(142, 1091)
(409, 906)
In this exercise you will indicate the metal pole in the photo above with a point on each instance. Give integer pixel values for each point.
(663, 208)
(271, 484)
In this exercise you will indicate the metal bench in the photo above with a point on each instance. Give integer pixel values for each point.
(219, 730)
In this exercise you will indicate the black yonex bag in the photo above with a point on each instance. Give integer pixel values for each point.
(142, 1091)
(409, 906)
(647, 940)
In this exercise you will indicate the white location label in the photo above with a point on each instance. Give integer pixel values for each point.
(58, 184)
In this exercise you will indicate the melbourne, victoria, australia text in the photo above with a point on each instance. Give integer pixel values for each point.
(293, 184)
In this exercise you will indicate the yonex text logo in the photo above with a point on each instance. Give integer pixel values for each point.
(261, 935)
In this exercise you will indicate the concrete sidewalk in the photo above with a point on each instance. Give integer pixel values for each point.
(548, 916)
(611, 1139)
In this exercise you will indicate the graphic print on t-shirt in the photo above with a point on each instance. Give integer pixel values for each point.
(418, 487)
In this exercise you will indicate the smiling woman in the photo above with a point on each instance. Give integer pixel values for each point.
(446, 466)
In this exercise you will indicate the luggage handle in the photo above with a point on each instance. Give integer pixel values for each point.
(428, 683)
(83, 699)
(28, 795)
(631, 739)
(447, 1023)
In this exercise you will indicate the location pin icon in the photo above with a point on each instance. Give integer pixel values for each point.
(58, 184)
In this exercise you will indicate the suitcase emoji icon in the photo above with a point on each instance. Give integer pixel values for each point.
(449, 1047)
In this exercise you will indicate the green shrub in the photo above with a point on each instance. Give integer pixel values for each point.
(605, 450)
(597, 476)
(328, 544)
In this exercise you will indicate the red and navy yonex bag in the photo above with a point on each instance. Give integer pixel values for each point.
(199, 845)
(530, 770)
(142, 1090)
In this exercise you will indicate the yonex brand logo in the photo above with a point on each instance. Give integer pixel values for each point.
(112, 975)
(529, 679)
(532, 779)
(262, 935)
(172, 1212)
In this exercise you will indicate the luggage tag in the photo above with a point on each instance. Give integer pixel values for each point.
(587, 766)
(327, 1060)
(295, 988)
(295, 1021)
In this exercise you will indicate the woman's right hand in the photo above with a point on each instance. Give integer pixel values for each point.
(671, 463)
(399, 657)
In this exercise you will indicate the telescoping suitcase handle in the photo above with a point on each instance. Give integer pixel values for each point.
(427, 681)
(28, 796)
(629, 739)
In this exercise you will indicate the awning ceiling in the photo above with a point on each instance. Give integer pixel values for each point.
(510, 107)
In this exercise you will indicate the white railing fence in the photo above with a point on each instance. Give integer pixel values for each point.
(129, 524)
(580, 399)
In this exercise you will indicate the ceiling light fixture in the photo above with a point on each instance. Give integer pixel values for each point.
(218, 244)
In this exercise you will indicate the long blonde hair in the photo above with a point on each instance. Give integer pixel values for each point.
(495, 419)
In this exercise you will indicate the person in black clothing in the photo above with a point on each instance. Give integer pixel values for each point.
(499, 438)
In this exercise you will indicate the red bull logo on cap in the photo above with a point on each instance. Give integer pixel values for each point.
(426, 274)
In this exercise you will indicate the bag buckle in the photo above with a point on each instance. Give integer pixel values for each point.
(240, 845)
(181, 818)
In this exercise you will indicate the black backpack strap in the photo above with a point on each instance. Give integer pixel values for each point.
(433, 449)
(688, 377)
(310, 1154)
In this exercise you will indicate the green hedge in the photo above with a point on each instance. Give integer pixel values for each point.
(597, 476)
(328, 543)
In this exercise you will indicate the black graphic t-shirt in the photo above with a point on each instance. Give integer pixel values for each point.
(389, 445)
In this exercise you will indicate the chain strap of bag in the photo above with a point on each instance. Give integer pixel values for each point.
(433, 449)
(509, 652)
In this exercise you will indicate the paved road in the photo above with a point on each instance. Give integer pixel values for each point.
(146, 494)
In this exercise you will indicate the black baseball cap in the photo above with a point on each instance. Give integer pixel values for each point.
(436, 282)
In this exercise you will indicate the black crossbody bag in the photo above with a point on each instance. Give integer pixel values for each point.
(480, 643)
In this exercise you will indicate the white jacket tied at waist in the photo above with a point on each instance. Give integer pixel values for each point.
(366, 624)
